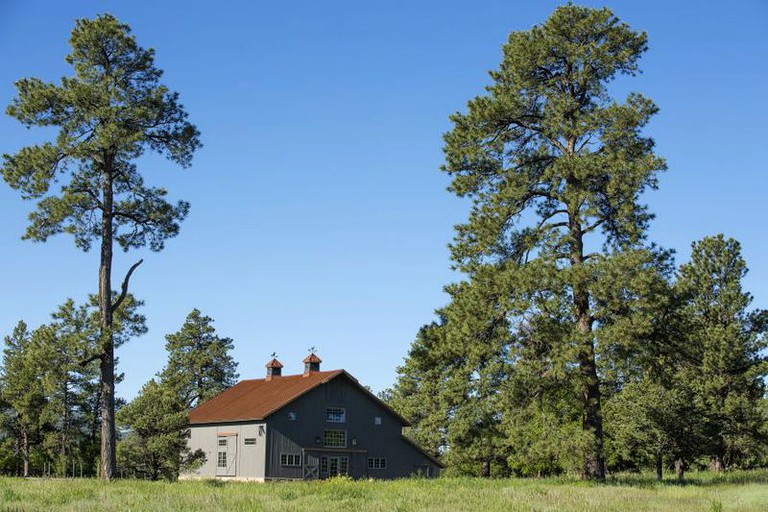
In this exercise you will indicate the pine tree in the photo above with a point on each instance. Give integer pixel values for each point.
(726, 341)
(199, 363)
(419, 394)
(155, 445)
(108, 114)
(22, 390)
(650, 424)
(555, 169)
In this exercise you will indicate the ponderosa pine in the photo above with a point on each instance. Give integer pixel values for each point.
(110, 112)
(200, 365)
(555, 169)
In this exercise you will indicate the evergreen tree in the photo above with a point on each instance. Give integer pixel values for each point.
(649, 424)
(108, 114)
(50, 391)
(555, 169)
(419, 394)
(22, 390)
(199, 364)
(726, 342)
(155, 445)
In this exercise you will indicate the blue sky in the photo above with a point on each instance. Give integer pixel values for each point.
(319, 216)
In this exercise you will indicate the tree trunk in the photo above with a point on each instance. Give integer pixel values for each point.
(659, 468)
(680, 469)
(592, 416)
(25, 450)
(107, 380)
(65, 425)
(485, 469)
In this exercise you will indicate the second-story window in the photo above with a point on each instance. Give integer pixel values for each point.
(335, 415)
(335, 438)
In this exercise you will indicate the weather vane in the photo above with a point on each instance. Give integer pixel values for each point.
(274, 355)
(312, 350)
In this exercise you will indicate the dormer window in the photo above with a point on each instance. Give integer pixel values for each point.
(292, 416)
(335, 415)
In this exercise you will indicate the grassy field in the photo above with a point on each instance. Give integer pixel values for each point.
(738, 491)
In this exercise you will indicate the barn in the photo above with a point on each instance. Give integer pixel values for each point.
(312, 425)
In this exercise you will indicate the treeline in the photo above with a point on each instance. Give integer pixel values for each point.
(575, 345)
(682, 378)
(50, 395)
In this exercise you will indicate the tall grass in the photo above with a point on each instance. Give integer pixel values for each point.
(737, 491)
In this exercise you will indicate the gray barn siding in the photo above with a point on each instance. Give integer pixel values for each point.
(383, 440)
(249, 462)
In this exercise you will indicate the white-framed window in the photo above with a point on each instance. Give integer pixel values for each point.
(249, 441)
(290, 459)
(223, 442)
(377, 463)
(292, 416)
(334, 466)
(335, 438)
(222, 460)
(377, 420)
(335, 415)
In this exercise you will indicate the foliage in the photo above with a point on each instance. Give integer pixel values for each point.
(548, 159)
(108, 114)
(566, 311)
(156, 443)
(22, 391)
(199, 364)
(652, 425)
(726, 343)
(50, 389)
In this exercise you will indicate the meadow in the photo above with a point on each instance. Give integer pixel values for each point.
(735, 491)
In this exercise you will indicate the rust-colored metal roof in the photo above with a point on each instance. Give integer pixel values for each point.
(274, 363)
(258, 398)
(312, 358)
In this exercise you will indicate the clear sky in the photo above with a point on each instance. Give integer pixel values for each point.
(319, 216)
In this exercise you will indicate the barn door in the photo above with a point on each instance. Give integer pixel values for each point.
(226, 460)
(311, 466)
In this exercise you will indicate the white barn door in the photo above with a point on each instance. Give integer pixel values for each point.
(226, 455)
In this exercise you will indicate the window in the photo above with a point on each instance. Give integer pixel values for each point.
(334, 466)
(222, 462)
(335, 438)
(292, 416)
(377, 420)
(290, 459)
(222, 442)
(335, 415)
(377, 463)
(249, 441)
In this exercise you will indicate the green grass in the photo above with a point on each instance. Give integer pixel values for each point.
(736, 491)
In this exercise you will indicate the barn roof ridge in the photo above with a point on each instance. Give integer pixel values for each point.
(256, 399)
